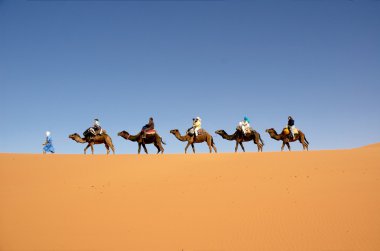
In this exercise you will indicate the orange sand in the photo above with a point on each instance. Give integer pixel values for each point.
(318, 200)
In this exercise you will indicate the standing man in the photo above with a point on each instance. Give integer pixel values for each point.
(48, 145)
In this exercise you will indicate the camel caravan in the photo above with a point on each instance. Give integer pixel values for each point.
(194, 135)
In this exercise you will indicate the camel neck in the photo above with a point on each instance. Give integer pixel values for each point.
(227, 136)
(133, 137)
(80, 140)
(180, 137)
(274, 135)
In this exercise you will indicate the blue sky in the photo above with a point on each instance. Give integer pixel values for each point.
(64, 63)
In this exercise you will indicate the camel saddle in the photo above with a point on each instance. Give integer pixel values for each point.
(286, 131)
(90, 132)
(190, 132)
(150, 132)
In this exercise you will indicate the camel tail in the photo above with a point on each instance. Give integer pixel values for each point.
(163, 142)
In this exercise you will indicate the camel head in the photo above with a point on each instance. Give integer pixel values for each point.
(174, 131)
(74, 136)
(220, 132)
(123, 133)
(271, 130)
(77, 138)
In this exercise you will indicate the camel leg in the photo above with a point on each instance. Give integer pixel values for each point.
(304, 144)
(242, 147)
(257, 142)
(85, 149)
(209, 147)
(108, 148)
(146, 151)
(288, 145)
(192, 146)
(213, 146)
(110, 145)
(92, 148)
(282, 147)
(158, 144)
(258, 145)
(161, 148)
(187, 146)
(158, 148)
(139, 148)
(209, 143)
(236, 146)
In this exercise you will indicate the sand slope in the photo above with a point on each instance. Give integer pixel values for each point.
(321, 200)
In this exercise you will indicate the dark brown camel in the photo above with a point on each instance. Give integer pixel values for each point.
(150, 138)
(300, 136)
(204, 137)
(98, 139)
(239, 138)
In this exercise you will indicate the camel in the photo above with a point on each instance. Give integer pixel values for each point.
(98, 139)
(300, 136)
(204, 137)
(150, 138)
(253, 135)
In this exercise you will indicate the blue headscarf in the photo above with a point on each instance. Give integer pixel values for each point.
(246, 119)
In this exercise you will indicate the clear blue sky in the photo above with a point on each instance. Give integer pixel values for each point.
(64, 63)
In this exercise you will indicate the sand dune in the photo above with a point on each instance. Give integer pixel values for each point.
(376, 145)
(318, 200)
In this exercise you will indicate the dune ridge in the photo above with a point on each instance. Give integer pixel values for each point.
(317, 200)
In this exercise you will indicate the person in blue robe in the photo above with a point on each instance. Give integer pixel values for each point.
(48, 145)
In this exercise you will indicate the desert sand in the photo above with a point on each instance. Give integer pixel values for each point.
(317, 200)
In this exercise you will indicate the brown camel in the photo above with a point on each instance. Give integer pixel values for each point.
(300, 136)
(150, 138)
(253, 135)
(203, 137)
(98, 139)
